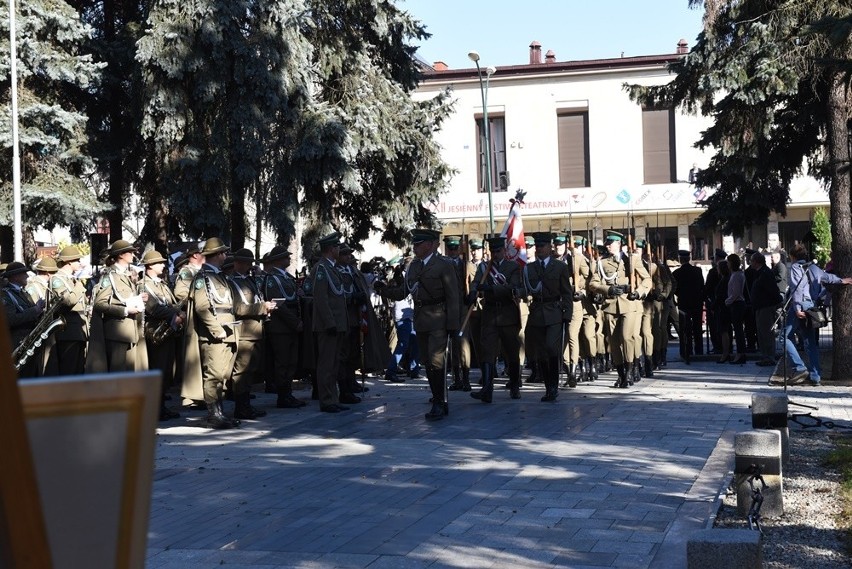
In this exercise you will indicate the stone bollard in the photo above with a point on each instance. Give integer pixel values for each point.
(758, 452)
(724, 549)
(770, 412)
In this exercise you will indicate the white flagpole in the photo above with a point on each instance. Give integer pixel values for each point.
(16, 156)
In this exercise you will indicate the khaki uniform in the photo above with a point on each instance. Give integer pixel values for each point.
(215, 324)
(460, 345)
(37, 287)
(433, 286)
(663, 294)
(188, 349)
(621, 314)
(70, 351)
(250, 310)
(331, 324)
(160, 307)
(121, 332)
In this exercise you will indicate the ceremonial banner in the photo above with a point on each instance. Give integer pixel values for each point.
(513, 231)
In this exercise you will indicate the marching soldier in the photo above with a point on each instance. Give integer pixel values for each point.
(624, 281)
(433, 284)
(22, 314)
(213, 312)
(460, 345)
(525, 313)
(330, 323)
(251, 310)
(548, 282)
(70, 352)
(284, 327)
(501, 319)
(645, 337)
(475, 251)
(572, 349)
(164, 316)
(584, 307)
(117, 302)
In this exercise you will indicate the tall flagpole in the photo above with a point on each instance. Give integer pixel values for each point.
(16, 155)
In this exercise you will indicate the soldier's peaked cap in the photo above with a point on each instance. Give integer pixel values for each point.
(495, 243)
(329, 240)
(452, 240)
(559, 239)
(476, 243)
(421, 235)
(683, 253)
(542, 237)
(613, 236)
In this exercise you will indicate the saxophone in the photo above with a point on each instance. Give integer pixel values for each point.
(49, 321)
(156, 335)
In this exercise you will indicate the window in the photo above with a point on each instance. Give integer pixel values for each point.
(658, 143)
(497, 135)
(573, 132)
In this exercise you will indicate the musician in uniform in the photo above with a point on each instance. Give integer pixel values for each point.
(251, 310)
(624, 281)
(188, 271)
(22, 314)
(163, 319)
(432, 282)
(285, 327)
(71, 341)
(500, 280)
(38, 285)
(330, 323)
(460, 345)
(117, 302)
(548, 282)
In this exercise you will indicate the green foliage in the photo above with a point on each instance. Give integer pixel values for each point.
(821, 228)
(54, 74)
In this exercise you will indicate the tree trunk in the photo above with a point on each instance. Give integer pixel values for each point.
(841, 225)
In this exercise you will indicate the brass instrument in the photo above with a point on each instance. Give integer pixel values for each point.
(50, 320)
(157, 335)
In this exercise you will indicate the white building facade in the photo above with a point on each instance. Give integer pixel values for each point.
(588, 158)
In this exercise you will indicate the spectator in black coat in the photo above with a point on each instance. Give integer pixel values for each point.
(690, 296)
(765, 300)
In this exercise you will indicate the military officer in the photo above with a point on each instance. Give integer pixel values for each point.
(22, 313)
(70, 352)
(624, 281)
(460, 344)
(525, 313)
(548, 282)
(251, 309)
(118, 302)
(284, 327)
(330, 323)
(501, 320)
(213, 312)
(433, 284)
(161, 310)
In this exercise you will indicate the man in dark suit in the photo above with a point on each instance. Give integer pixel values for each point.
(547, 281)
(22, 314)
(433, 284)
(690, 299)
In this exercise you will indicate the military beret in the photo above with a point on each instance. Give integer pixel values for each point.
(421, 235)
(476, 243)
(14, 268)
(613, 236)
(542, 237)
(750, 251)
(496, 243)
(452, 240)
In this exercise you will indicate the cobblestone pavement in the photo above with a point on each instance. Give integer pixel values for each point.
(600, 478)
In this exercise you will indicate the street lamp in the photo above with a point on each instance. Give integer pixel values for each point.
(483, 90)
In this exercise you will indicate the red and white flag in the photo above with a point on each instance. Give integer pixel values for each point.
(513, 231)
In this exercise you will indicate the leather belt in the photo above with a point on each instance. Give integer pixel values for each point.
(430, 302)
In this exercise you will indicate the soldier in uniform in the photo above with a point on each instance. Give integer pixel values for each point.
(613, 277)
(475, 251)
(161, 312)
(70, 352)
(501, 319)
(38, 285)
(22, 314)
(661, 296)
(251, 310)
(690, 296)
(117, 302)
(330, 323)
(214, 319)
(460, 345)
(433, 284)
(351, 357)
(645, 339)
(525, 314)
(548, 282)
(284, 327)
(585, 309)
(188, 268)
(571, 351)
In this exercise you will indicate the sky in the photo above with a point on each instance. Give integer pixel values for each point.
(502, 30)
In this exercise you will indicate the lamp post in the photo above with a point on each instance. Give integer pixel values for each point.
(483, 90)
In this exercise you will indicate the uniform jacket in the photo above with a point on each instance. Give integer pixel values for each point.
(72, 294)
(161, 305)
(213, 301)
(111, 300)
(361, 315)
(184, 282)
(499, 305)
(329, 309)
(280, 284)
(21, 313)
(37, 287)
(612, 270)
(249, 306)
(550, 290)
(435, 292)
(690, 286)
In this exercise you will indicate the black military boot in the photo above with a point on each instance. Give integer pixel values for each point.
(465, 379)
(215, 419)
(582, 374)
(234, 422)
(243, 408)
(664, 358)
(592, 373)
(608, 362)
(436, 385)
(551, 379)
(457, 383)
(649, 367)
(621, 382)
(571, 377)
(485, 394)
(635, 371)
(514, 371)
(535, 376)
